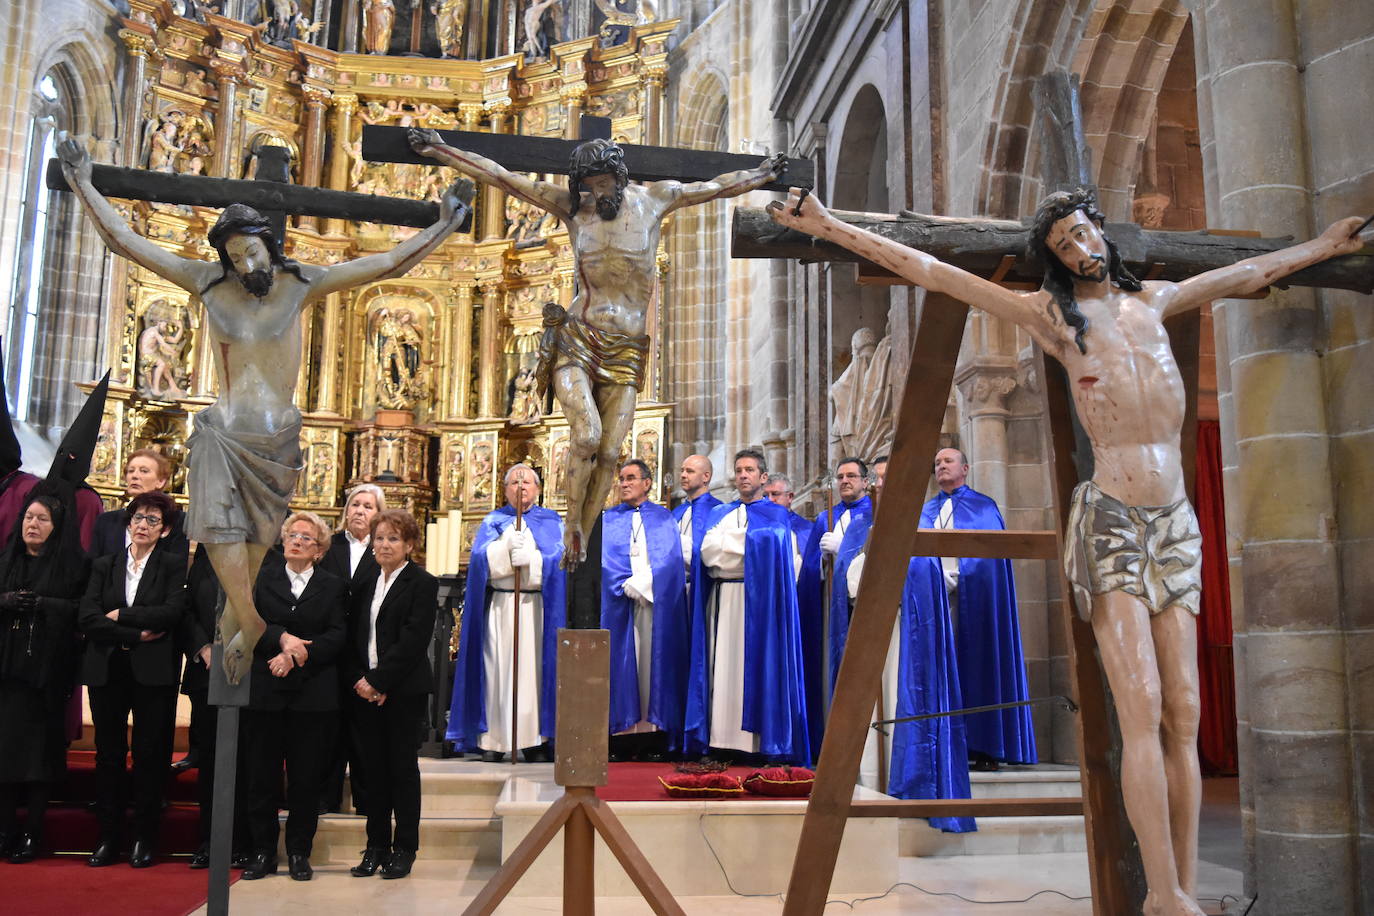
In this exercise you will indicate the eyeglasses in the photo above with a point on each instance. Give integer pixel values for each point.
(631, 479)
(301, 538)
(152, 521)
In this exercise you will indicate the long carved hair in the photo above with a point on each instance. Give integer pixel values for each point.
(241, 219)
(595, 157)
(1058, 278)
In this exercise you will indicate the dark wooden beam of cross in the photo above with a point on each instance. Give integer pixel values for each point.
(547, 155)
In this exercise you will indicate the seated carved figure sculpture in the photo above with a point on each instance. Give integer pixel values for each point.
(1133, 556)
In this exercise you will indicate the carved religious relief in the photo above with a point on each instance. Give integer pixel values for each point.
(451, 473)
(481, 484)
(162, 345)
(861, 399)
(402, 376)
(542, 22)
(280, 22)
(320, 481)
(163, 144)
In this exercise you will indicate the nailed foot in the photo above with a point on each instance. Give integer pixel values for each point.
(574, 551)
(237, 659)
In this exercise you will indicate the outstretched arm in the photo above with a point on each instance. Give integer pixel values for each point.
(453, 209)
(804, 212)
(114, 231)
(540, 193)
(731, 184)
(1254, 274)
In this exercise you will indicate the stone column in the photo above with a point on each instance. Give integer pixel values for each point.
(984, 396)
(493, 198)
(655, 78)
(312, 159)
(490, 373)
(326, 394)
(140, 46)
(228, 76)
(1298, 807)
(460, 366)
(344, 104)
(574, 98)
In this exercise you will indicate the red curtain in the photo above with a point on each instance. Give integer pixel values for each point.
(1217, 736)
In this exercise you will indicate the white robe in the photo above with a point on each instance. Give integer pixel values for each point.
(868, 764)
(640, 587)
(496, 648)
(722, 553)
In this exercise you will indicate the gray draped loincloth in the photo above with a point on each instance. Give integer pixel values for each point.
(240, 484)
(1151, 552)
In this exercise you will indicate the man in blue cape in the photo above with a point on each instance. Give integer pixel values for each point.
(746, 691)
(982, 594)
(823, 544)
(779, 490)
(644, 606)
(929, 758)
(480, 714)
(693, 513)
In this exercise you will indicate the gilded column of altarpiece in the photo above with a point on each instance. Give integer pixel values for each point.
(421, 384)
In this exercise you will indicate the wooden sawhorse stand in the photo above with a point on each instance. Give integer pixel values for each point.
(584, 699)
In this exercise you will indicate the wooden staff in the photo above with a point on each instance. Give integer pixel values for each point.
(515, 642)
(827, 589)
(873, 493)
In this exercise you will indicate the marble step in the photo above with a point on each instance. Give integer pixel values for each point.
(340, 839)
(446, 792)
(1005, 835)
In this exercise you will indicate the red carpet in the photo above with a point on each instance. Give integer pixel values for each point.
(639, 782)
(64, 884)
(72, 827)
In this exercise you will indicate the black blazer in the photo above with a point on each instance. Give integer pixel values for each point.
(405, 627)
(198, 623)
(158, 606)
(335, 560)
(107, 536)
(318, 615)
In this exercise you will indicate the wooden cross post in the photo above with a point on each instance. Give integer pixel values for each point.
(994, 249)
(272, 196)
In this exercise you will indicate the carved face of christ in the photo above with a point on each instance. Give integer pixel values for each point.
(607, 194)
(1080, 246)
(252, 263)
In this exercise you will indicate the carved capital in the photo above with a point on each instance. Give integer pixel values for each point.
(573, 95)
(470, 113)
(139, 44)
(228, 71)
(345, 103)
(655, 74)
(316, 97)
(985, 393)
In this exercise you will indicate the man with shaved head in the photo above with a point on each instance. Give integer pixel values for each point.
(690, 515)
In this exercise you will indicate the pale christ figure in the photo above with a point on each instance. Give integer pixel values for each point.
(597, 353)
(1133, 548)
(245, 452)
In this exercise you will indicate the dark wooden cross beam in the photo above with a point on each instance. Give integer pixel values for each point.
(547, 155)
(983, 246)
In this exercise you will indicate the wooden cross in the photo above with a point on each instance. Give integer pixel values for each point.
(994, 249)
(272, 195)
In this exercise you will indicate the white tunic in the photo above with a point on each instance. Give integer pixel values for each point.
(640, 587)
(868, 764)
(497, 643)
(722, 553)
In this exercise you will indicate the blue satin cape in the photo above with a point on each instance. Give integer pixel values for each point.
(992, 666)
(467, 718)
(810, 589)
(774, 689)
(701, 515)
(668, 653)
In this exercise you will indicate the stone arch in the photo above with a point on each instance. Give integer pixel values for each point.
(696, 294)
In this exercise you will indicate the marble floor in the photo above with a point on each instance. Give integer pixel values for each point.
(1050, 884)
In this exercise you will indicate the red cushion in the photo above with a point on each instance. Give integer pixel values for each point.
(701, 785)
(781, 782)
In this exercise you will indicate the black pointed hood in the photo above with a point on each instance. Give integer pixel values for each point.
(72, 462)
(11, 455)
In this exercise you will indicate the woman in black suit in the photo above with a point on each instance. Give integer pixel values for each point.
(132, 608)
(294, 695)
(42, 572)
(350, 558)
(391, 623)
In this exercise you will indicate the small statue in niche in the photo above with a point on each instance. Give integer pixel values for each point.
(481, 472)
(197, 85)
(378, 18)
(281, 21)
(541, 31)
(195, 151)
(160, 348)
(454, 474)
(525, 406)
(403, 380)
(163, 147)
(527, 225)
(449, 17)
(861, 398)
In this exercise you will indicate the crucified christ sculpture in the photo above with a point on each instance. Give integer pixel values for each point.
(1133, 546)
(245, 451)
(598, 349)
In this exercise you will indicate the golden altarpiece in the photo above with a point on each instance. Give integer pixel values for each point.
(420, 384)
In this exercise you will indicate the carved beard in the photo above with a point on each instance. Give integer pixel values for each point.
(258, 282)
(1097, 275)
(608, 208)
